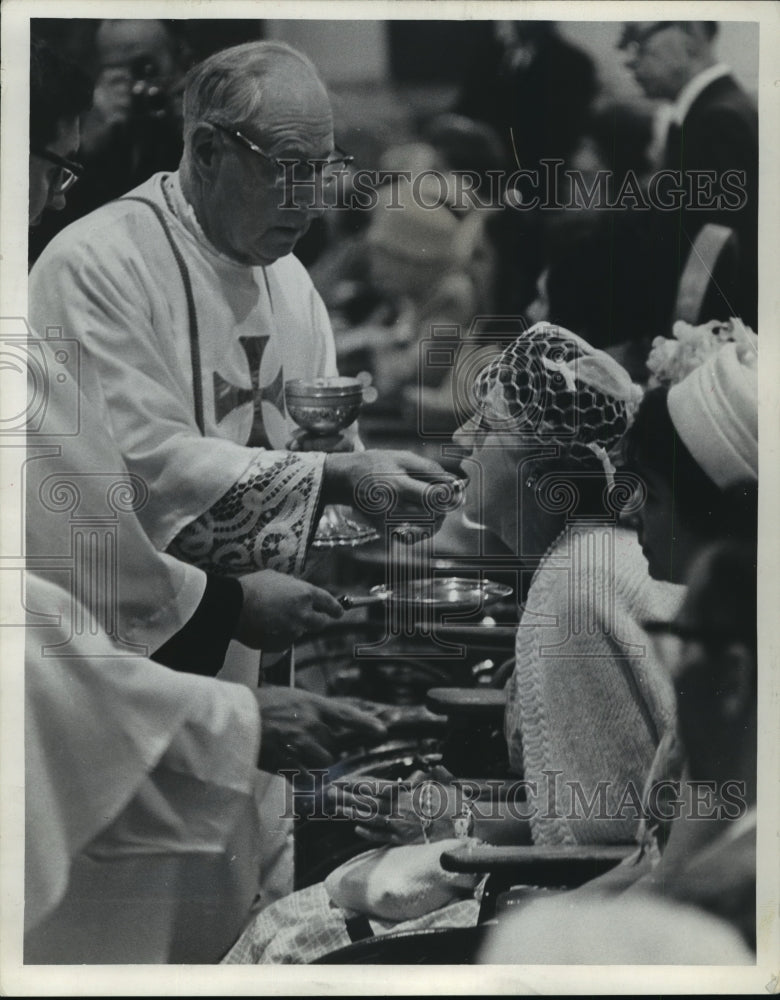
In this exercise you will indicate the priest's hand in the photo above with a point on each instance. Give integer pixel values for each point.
(302, 730)
(278, 609)
(377, 483)
(306, 441)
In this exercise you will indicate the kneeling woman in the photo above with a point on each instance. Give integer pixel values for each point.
(587, 704)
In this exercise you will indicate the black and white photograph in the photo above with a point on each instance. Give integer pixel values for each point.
(385, 578)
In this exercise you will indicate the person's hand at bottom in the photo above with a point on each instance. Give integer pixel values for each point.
(279, 609)
(300, 730)
(388, 812)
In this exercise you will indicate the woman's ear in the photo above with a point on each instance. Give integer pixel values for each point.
(206, 151)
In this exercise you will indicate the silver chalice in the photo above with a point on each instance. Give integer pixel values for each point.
(323, 408)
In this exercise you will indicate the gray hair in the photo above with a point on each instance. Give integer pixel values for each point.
(227, 88)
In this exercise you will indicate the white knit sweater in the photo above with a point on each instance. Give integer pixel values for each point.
(588, 698)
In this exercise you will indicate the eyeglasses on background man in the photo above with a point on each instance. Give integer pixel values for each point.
(67, 175)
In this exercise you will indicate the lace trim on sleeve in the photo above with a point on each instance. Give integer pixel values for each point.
(262, 522)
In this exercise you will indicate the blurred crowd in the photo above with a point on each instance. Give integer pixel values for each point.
(592, 258)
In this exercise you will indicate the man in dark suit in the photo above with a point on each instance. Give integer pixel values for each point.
(713, 127)
(535, 89)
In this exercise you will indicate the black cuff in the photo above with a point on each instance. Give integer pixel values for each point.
(200, 646)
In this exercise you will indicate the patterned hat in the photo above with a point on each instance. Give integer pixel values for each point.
(551, 387)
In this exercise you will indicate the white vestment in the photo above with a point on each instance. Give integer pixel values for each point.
(81, 511)
(112, 281)
(230, 336)
(129, 763)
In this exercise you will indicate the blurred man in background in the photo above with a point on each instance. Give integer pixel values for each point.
(535, 89)
(133, 127)
(713, 126)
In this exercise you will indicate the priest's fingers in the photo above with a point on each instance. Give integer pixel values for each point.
(324, 603)
(336, 712)
(278, 609)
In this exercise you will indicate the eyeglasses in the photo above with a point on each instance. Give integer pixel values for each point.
(326, 169)
(66, 176)
(634, 40)
(491, 410)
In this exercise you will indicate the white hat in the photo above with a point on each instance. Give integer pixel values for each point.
(715, 412)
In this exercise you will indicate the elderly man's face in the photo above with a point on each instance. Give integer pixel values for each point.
(251, 215)
(657, 54)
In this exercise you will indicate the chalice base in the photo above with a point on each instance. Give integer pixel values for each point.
(337, 528)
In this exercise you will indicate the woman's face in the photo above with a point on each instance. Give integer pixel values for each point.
(503, 473)
(492, 470)
(668, 544)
